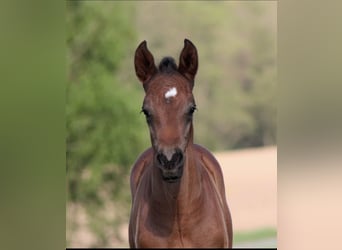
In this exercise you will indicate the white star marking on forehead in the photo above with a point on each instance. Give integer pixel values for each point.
(171, 93)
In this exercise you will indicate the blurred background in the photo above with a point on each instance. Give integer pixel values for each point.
(235, 92)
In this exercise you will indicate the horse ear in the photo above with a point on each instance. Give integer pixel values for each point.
(144, 63)
(188, 61)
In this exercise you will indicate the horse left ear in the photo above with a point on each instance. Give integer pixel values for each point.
(144, 64)
(188, 61)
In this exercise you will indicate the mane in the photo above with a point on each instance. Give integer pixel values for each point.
(167, 65)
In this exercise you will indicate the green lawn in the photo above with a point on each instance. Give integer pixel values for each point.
(254, 235)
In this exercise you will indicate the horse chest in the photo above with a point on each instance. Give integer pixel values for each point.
(199, 227)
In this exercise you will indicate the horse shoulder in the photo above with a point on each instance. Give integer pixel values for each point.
(214, 169)
(138, 169)
(211, 164)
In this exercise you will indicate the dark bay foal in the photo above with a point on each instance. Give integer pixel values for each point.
(178, 193)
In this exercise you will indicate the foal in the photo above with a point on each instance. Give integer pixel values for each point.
(177, 188)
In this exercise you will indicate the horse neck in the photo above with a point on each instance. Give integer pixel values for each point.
(190, 183)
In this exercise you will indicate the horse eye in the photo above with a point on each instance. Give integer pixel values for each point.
(145, 111)
(147, 114)
(192, 110)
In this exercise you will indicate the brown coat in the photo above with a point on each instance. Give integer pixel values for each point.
(191, 213)
(177, 188)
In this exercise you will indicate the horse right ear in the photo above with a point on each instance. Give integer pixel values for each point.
(144, 64)
(188, 61)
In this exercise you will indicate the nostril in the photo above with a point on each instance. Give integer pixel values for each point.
(162, 159)
(177, 158)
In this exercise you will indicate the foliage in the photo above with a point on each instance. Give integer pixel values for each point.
(104, 134)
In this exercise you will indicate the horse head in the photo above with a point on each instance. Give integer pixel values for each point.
(168, 105)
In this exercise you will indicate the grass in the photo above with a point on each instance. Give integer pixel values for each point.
(254, 235)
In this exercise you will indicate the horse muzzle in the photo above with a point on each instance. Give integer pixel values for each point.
(171, 164)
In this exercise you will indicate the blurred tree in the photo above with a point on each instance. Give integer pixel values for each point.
(104, 134)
